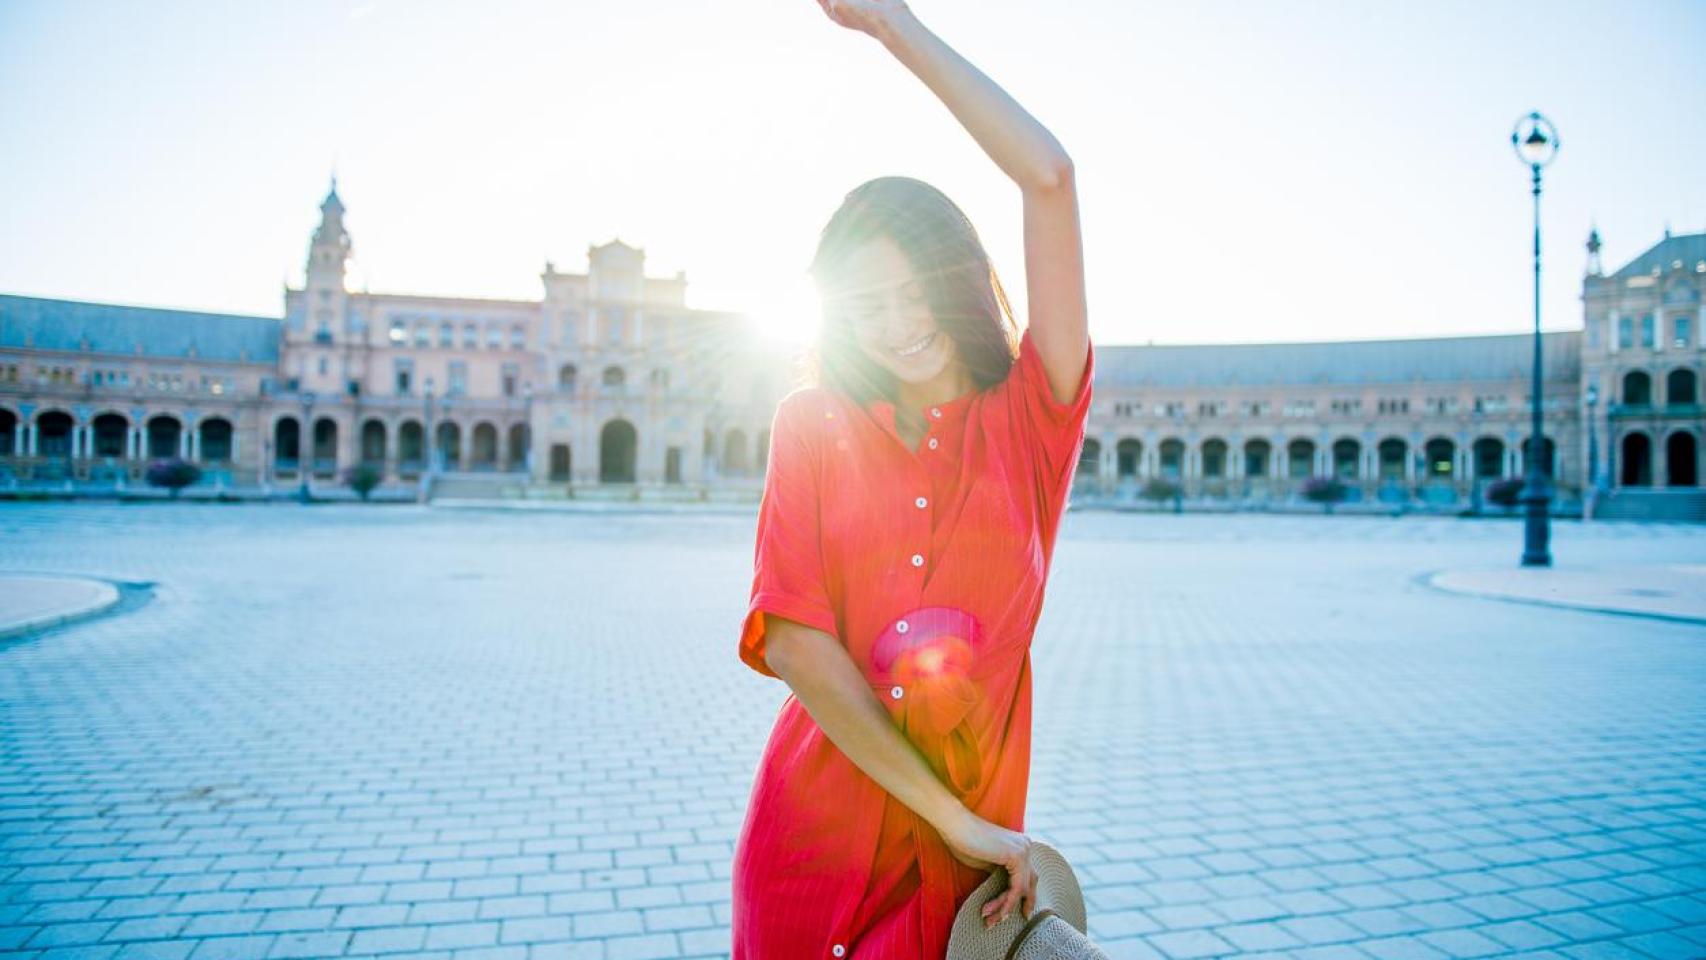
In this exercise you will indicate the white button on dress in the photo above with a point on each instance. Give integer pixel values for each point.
(921, 502)
(932, 443)
(838, 950)
(896, 691)
(918, 559)
(901, 626)
(936, 412)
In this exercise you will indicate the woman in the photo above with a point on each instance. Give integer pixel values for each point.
(908, 519)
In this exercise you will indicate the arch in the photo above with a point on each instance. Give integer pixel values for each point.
(1089, 465)
(286, 442)
(1439, 455)
(734, 453)
(518, 442)
(485, 441)
(111, 432)
(1300, 458)
(8, 432)
(559, 462)
(411, 443)
(1636, 455)
(163, 431)
(1172, 458)
(53, 434)
(1128, 453)
(1548, 454)
(325, 444)
(1258, 454)
(1390, 454)
(1347, 459)
(1681, 388)
(617, 444)
(1488, 454)
(1637, 388)
(1213, 454)
(373, 441)
(1681, 465)
(214, 445)
(447, 444)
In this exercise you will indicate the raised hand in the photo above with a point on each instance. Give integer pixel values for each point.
(866, 16)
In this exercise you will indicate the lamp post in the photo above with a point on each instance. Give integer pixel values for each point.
(527, 431)
(1536, 144)
(305, 446)
(1593, 450)
(426, 415)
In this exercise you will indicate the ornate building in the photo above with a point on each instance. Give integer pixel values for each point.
(609, 386)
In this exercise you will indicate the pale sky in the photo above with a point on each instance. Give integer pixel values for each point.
(1256, 171)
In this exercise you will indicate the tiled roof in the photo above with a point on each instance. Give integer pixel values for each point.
(31, 322)
(1495, 357)
(1689, 248)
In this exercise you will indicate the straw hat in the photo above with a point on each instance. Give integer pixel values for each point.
(1054, 931)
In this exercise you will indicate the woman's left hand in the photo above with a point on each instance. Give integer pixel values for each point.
(866, 16)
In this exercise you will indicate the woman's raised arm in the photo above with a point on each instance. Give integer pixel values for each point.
(1028, 154)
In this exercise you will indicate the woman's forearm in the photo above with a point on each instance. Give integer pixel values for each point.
(838, 697)
(1019, 145)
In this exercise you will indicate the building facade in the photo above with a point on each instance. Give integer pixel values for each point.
(608, 385)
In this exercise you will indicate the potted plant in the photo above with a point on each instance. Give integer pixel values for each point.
(1161, 489)
(362, 478)
(173, 473)
(1325, 490)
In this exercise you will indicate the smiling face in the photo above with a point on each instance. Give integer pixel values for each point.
(885, 306)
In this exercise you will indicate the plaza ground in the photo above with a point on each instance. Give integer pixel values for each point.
(344, 730)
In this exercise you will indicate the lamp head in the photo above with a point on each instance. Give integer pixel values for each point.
(1535, 140)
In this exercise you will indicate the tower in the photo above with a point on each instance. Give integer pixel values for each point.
(1594, 268)
(325, 296)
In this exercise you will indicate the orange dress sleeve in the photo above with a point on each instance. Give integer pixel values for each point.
(787, 568)
(1055, 430)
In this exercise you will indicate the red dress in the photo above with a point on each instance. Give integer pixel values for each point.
(928, 565)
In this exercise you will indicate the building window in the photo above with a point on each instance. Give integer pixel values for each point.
(470, 336)
(447, 334)
(458, 378)
(1647, 338)
(405, 371)
(1299, 408)
(1172, 409)
(1442, 405)
(1346, 406)
(1593, 334)
(518, 337)
(494, 336)
(1679, 331)
(423, 334)
(322, 366)
(568, 327)
(613, 327)
(509, 375)
(1491, 403)
(399, 331)
(1255, 408)
(1625, 332)
(1393, 405)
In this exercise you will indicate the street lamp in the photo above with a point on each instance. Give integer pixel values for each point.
(1536, 144)
(527, 431)
(426, 414)
(305, 445)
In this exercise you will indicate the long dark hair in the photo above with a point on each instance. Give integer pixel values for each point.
(960, 286)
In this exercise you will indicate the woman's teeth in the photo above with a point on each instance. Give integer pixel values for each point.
(920, 345)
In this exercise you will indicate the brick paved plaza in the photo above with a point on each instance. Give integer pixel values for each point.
(357, 731)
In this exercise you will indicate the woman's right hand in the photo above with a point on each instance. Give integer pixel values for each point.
(978, 843)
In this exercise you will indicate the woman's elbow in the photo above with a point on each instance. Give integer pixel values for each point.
(1054, 176)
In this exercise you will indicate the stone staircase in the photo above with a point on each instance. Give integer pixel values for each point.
(1678, 503)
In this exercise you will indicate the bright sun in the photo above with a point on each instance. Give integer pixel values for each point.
(787, 310)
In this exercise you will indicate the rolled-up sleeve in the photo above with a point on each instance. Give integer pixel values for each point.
(1055, 430)
(787, 568)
